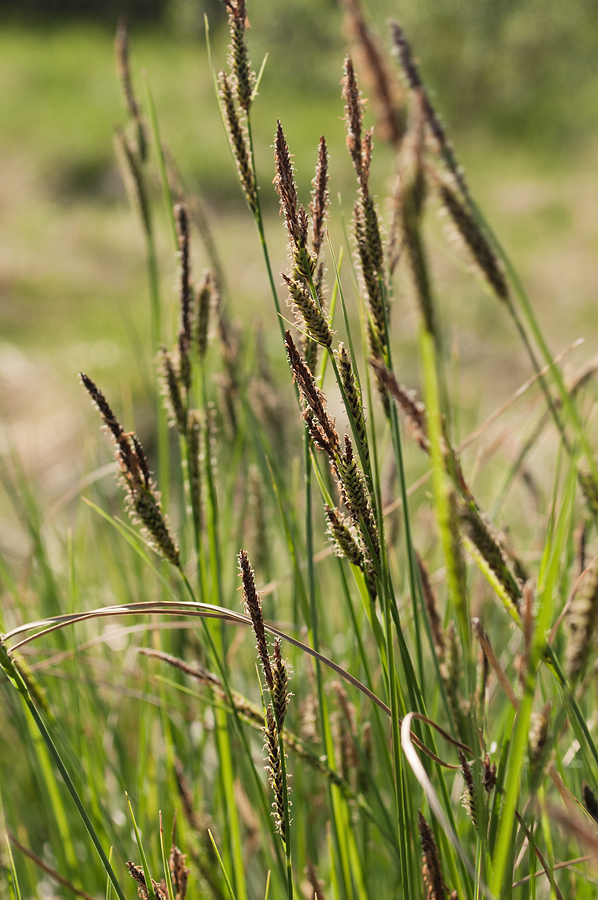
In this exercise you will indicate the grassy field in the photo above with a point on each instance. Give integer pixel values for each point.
(240, 472)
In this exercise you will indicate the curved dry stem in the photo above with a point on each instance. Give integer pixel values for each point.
(205, 610)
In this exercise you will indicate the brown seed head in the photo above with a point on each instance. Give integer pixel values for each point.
(204, 307)
(414, 410)
(582, 620)
(143, 500)
(179, 872)
(130, 166)
(175, 404)
(353, 118)
(319, 198)
(432, 868)
(345, 537)
(123, 69)
(284, 182)
(431, 605)
(352, 397)
(253, 608)
(589, 801)
(414, 82)
(327, 435)
(182, 227)
(238, 141)
(474, 238)
(239, 56)
(274, 767)
(136, 873)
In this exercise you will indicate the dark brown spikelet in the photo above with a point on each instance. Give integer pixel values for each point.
(238, 141)
(410, 201)
(450, 671)
(482, 675)
(476, 241)
(316, 886)
(432, 869)
(311, 347)
(589, 488)
(353, 118)
(414, 410)
(484, 537)
(280, 694)
(371, 281)
(186, 796)
(177, 410)
(321, 426)
(386, 91)
(414, 82)
(432, 610)
(284, 182)
(185, 295)
(143, 499)
(123, 69)
(313, 319)
(103, 407)
(319, 198)
(179, 872)
(353, 397)
(372, 225)
(146, 507)
(275, 776)
(253, 607)
(488, 775)
(539, 745)
(193, 669)
(239, 57)
(582, 620)
(589, 801)
(130, 167)
(194, 468)
(136, 873)
(204, 307)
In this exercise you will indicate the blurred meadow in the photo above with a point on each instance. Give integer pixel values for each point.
(515, 84)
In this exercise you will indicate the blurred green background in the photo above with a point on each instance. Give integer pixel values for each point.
(515, 81)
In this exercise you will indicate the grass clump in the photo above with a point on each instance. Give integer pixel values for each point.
(436, 745)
